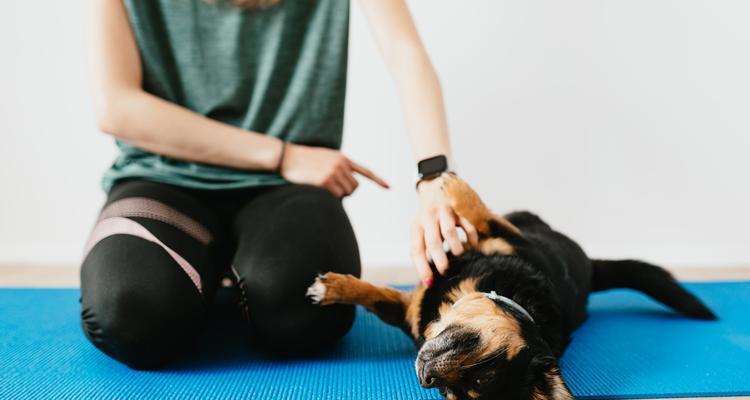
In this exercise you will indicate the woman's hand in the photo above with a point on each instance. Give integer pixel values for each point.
(323, 167)
(436, 222)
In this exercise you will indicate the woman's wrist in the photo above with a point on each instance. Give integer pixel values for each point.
(428, 189)
(256, 151)
(290, 159)
(280, 162)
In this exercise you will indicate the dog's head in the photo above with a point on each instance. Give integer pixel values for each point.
(478, 349)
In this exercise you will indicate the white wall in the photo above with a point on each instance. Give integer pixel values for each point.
(623, 123)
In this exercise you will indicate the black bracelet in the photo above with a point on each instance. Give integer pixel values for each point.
(277, 170)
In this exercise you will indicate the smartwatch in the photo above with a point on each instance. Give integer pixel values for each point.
(431, 168)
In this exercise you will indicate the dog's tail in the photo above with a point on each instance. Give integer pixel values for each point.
(654, 281)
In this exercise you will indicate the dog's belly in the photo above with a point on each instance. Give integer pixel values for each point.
(565, 263)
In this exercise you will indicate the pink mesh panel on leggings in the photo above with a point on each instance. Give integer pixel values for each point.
(152, 209)
(123, 226)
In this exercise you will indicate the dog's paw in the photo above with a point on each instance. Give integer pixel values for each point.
(327, 289)
(462, 198)
(317, 291)
(455, 190)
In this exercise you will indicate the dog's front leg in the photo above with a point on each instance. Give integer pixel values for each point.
(496, 234)
(392, 306)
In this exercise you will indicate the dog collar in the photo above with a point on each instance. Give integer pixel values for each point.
(505, 300)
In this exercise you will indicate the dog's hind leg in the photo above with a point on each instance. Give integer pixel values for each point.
(650, 279)
(394, 307)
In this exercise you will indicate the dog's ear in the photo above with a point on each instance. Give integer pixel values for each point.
(548, 383)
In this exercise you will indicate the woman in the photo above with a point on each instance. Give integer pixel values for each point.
(229, 120)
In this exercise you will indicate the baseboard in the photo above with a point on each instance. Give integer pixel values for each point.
(62, 275)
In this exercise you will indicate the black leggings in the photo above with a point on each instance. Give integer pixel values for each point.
(158, 253)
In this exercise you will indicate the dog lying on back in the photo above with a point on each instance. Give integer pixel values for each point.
(494, 326)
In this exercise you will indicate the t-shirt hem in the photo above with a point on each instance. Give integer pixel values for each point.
(108, 182)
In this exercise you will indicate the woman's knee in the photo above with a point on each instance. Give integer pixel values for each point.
(300, 331)
(284, 321)
(287, 238)
(140, 342)
(135, 306)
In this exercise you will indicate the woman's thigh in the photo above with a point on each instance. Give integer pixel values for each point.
(286, 236)
(148, 274)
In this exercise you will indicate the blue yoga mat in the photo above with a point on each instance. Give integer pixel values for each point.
(631, 347)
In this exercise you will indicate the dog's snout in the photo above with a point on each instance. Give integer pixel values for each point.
(431, 365)
(436, 348)
(432, 352)
(438, 361)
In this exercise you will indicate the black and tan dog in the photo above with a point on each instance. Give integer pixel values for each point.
(495, 324)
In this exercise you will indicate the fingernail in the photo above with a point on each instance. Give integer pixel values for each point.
(428, 282)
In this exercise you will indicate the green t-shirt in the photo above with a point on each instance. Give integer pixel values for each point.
(280, 71)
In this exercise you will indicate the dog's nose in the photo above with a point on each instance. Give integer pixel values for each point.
(429, 381)
(429, 377)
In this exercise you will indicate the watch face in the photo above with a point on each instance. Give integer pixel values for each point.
(434, 165)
